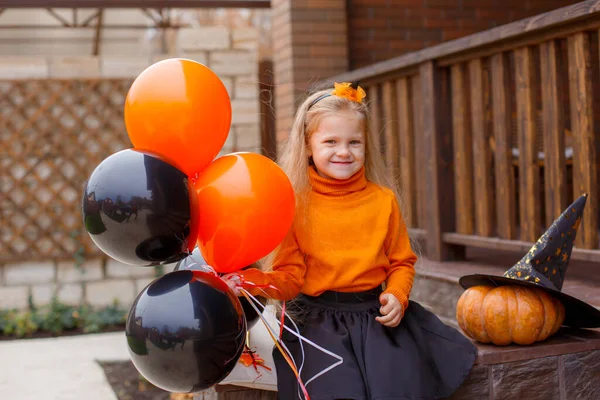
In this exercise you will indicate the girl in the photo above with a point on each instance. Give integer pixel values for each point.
(348, 240)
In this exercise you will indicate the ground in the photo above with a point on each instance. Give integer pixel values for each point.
(125, 380)
(128, 384)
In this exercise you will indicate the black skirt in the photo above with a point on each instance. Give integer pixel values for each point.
(422, 358)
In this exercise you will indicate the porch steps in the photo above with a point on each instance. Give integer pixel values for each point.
(436, 283)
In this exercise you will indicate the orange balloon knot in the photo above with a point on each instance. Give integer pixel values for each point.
(193, 179)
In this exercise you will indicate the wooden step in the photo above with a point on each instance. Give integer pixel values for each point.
(436, 283)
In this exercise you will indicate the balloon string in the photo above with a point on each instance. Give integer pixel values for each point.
(296, 333)
(251, 285)
(278, 342)
(302, 338)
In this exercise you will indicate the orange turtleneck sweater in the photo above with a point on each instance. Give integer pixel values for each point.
(351, 238)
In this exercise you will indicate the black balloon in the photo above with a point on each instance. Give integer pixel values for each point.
(138, 208)
(186, 331)
(195, 261)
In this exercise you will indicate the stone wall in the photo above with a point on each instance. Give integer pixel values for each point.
(231, 53)
(561, 377)
(98, 282)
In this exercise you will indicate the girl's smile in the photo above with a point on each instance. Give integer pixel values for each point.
(337, 146)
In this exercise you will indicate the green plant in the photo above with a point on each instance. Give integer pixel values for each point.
(107, 316)
(58, 317)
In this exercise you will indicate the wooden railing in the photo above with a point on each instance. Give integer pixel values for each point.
(492, 135)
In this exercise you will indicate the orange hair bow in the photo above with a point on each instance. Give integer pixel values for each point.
(350, 91)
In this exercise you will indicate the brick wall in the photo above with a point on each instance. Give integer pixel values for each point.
(231, 54)
(382, 29)
(309, 43)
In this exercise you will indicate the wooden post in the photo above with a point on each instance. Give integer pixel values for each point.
(482, 155)
(417, 106)
(529, 182)
(406, 143)
(582, 123)
(463, 151)
(555, 170)
(439, 174)
(506, 210)
(390, 130)
(375, 120)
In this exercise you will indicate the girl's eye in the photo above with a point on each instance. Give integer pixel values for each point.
(330, 141)
(355, 142)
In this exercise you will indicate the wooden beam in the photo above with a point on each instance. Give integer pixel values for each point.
(98, 33)
(59, 18)
(463, 150)
(421, 179)
(135, 4)
(506, 210)
(90, 18)
(437, 137)
(390, 128)
(406, 143)
(375, 120)
(555, 170)
(582, 123)
(511, 245)
(482, 154)
(529, 172)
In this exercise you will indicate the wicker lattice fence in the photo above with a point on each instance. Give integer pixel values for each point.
(53, 134)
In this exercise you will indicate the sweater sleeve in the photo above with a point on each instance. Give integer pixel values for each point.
(401, 273)
(287, 274)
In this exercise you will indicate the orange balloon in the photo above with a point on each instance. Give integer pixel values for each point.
(246, 207)
(180, 110)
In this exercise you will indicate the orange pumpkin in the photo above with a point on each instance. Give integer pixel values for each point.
(509, 314)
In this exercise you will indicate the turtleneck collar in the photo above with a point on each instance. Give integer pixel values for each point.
(356, 182)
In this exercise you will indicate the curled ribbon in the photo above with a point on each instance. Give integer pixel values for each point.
(279, 342)
(244, 285)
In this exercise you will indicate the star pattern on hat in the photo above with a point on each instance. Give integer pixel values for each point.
(546, 262)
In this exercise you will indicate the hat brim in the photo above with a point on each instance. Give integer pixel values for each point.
(578, 314)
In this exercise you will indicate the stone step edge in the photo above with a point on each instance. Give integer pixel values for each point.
(451, 278)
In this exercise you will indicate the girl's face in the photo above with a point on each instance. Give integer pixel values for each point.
(337, 146)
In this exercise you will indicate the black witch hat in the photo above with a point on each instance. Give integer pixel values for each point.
(545, 266)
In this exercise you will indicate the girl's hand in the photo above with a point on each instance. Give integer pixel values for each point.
(391, 310)
(233, 280)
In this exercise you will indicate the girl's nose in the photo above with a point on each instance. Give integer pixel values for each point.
(343, 151)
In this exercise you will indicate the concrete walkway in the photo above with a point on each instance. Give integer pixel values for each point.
(66, 368)
(61, 368)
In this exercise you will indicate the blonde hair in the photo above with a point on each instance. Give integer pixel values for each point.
(294, 157)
